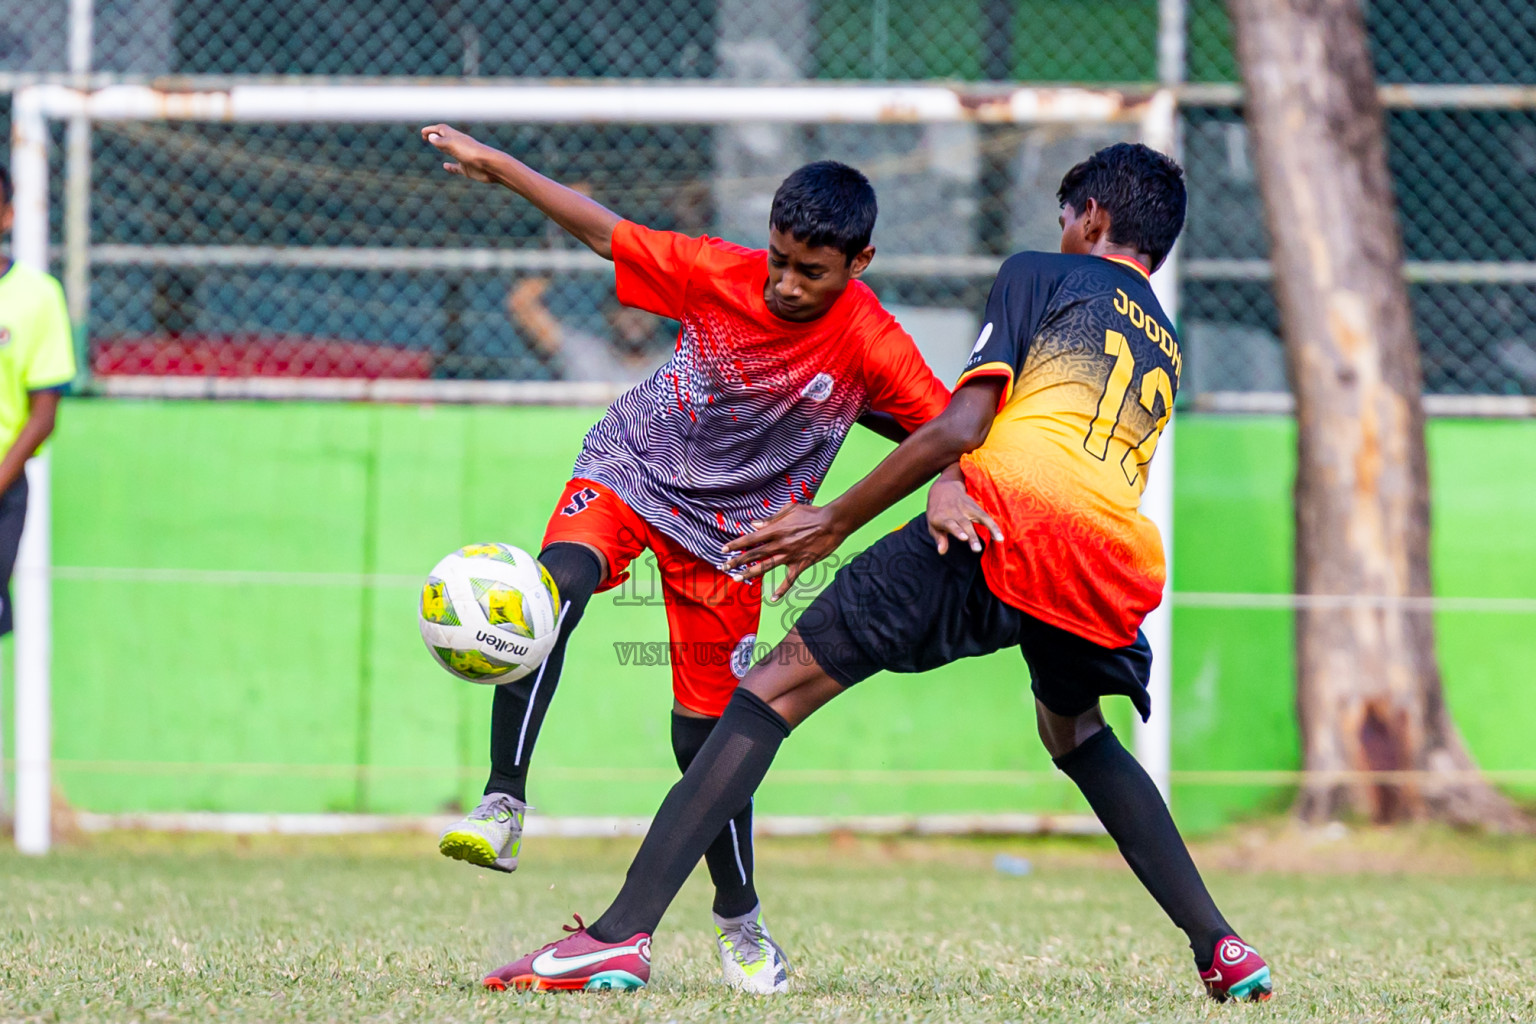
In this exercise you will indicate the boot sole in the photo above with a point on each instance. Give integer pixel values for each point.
(472, 849)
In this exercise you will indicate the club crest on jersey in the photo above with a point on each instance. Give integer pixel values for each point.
(819, 389)
(741, 657)
(579, 501)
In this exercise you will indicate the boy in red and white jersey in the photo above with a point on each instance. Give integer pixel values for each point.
(781, 351)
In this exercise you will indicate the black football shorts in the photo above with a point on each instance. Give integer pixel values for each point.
(900, 606)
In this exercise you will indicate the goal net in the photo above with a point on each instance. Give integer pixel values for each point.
(298, 242)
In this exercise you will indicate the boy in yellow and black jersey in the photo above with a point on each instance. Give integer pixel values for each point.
(1089, 368)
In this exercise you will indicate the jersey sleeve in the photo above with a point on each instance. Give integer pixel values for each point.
(1015, 309)
(51, 355)
(652, 268)
(899, 380)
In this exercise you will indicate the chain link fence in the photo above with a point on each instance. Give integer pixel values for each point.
(235, 250)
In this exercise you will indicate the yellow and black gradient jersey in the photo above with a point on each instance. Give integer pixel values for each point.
(1092, 367)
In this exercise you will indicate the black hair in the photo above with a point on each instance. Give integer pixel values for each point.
(826, 203)
(5, 186)
(1142, 189)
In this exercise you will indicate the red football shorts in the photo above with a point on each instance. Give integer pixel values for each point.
(711, 617)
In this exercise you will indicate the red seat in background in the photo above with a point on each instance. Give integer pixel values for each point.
(250, 355)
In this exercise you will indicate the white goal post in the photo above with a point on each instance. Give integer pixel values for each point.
(1152, 112)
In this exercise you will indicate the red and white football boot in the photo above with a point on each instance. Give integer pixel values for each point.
(1238, 972)
(579, 962)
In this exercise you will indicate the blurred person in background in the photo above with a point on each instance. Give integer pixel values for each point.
(631, 349)
(37, 361)
(578, 329)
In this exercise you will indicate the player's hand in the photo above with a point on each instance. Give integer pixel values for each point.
(797, 537)
(954, 513)
(470, 158)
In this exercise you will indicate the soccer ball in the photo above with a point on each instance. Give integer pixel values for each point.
(489, 613)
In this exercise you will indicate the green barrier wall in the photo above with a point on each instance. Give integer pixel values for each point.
(205, 684)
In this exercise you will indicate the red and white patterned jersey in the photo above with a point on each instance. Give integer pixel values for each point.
(748, 413)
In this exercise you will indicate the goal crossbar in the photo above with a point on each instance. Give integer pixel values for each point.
(34, 106)
(545, 104)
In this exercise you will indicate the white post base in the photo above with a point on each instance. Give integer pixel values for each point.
(34, 720)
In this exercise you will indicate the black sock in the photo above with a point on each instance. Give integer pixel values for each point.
(1126, 800)
(517, 709)
(721, 779)
(730, 856)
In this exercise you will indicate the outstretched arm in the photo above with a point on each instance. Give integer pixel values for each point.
(589, 222)
(802, 535)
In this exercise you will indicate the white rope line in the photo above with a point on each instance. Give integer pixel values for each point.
(1331, 602)
(234, 577)
(577, 827)
(802, 776)
(1181, 598)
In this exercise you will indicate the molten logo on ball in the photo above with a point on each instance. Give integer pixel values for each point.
(489, 613)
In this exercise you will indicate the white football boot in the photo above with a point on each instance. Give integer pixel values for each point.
(490, 835)
(751, 960)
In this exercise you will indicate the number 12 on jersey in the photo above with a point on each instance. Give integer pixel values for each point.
(1155, 385)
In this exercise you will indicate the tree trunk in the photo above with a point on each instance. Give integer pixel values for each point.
(1368, 686)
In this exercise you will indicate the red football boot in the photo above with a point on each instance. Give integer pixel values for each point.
(1238, 972)
(578, 962)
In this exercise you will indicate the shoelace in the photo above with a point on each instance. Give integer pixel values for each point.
(580, 926)
(748, 940)
(497, 807)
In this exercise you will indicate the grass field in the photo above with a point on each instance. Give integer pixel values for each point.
(1417, 926)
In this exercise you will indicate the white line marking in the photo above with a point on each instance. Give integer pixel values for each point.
(533, 694)
(736, 849)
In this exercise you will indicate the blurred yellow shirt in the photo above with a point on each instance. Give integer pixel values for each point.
(37, 350)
